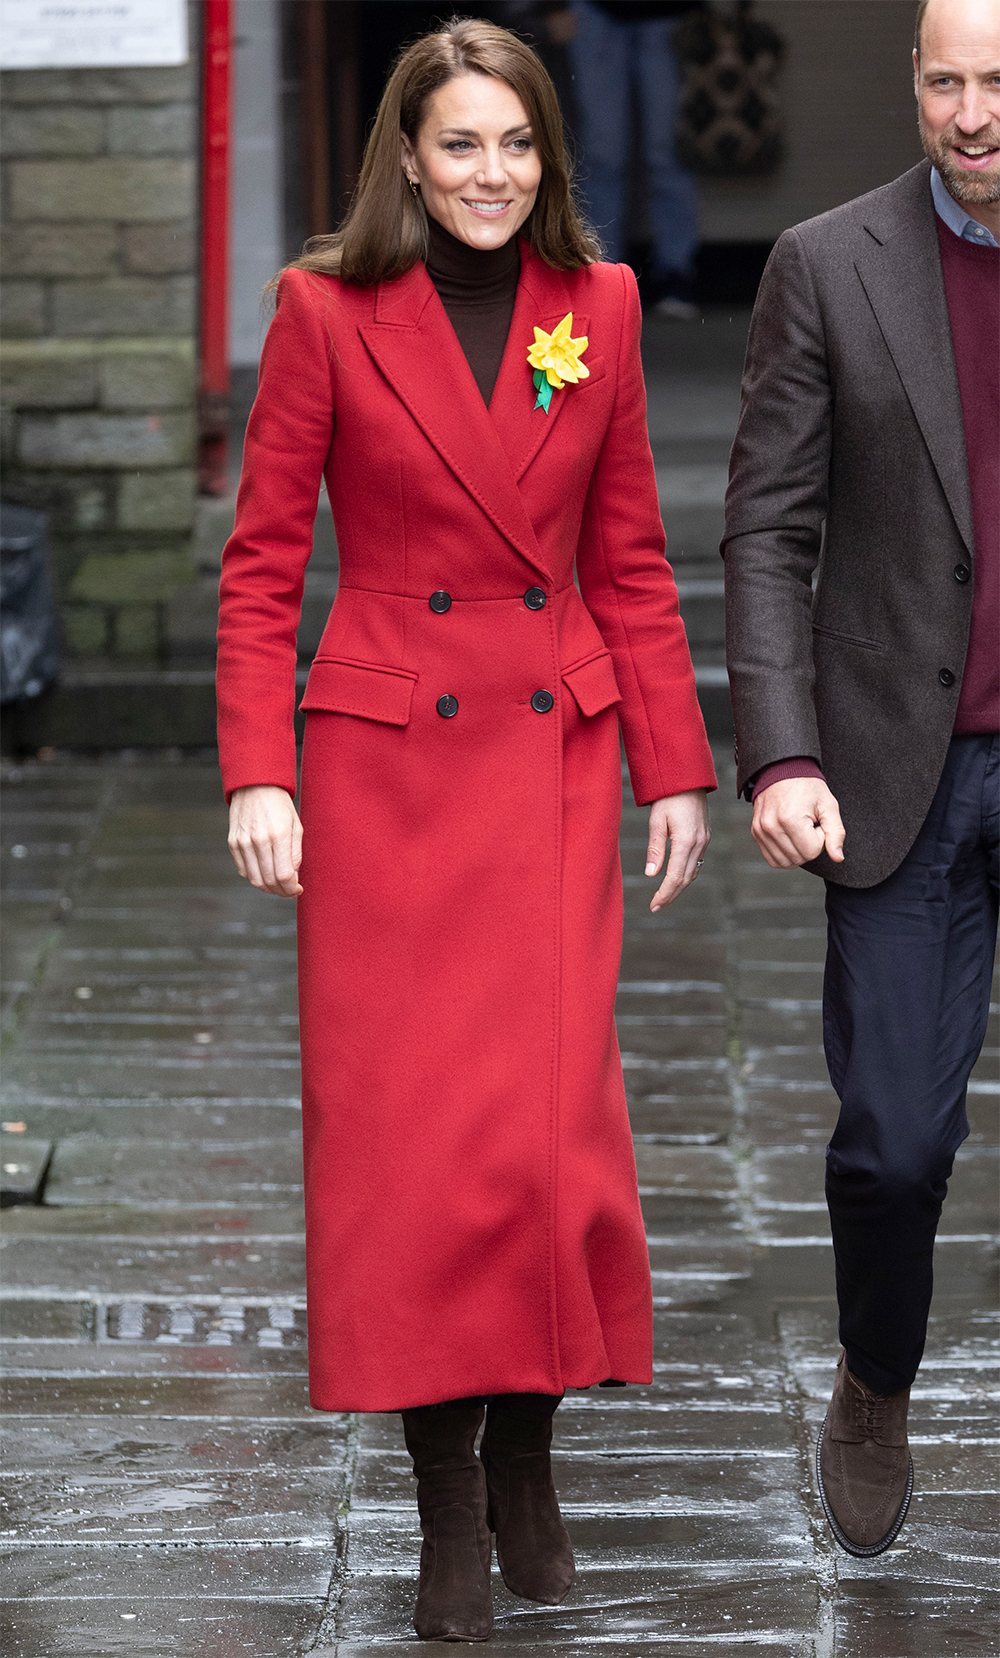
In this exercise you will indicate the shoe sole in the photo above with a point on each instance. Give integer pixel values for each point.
(862, 1551)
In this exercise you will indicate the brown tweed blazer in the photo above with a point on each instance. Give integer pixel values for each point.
(850, 461)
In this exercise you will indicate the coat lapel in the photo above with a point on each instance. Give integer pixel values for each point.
(415, 347)
(543, 299)
(900, 270)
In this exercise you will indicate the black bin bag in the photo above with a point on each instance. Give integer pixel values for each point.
(29, 621)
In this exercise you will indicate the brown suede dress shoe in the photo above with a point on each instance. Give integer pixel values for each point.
(863, 1463)
(455, 1597)
(534, 1552)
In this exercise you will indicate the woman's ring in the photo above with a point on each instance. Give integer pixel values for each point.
(699, 864)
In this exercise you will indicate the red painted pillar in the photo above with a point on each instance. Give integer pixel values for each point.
(214, 352)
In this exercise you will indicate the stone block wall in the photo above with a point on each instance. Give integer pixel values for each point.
(98, 258)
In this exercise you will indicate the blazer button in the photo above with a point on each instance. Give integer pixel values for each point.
(440, 602)
(535, 598)
(946, 677)
(542, 702)
(962, 573)
(447, 707)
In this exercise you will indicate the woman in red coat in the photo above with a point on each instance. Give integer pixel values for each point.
(466, 377)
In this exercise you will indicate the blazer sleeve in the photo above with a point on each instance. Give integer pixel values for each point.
(628, 587)
(263, 564)
(775, 508)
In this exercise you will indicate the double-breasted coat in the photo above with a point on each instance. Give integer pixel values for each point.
(472, 1213)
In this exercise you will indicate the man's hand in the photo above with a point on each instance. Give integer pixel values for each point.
(794, 820)
(683, 820)
(265, 838)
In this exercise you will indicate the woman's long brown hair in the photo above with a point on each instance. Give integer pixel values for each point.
(385, 231)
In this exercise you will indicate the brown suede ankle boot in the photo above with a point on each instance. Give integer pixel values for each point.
(455, 1598)
(863, 1463)
(534, 1552)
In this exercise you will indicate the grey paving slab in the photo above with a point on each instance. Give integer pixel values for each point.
(180, 1119)
(614, 1612)
(115, 1360)
(886, 1618)
(280, 1221)
(154, 1171)
(262, 1397)
(142, 1626)
(130, 1573)
(278, 1506)
(129, 1267)
(152, 1444)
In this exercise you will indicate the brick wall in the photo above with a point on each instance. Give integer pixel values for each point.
(99, 255)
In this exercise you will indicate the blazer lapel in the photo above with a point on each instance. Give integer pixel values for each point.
(900, 270)
(415, 347)
(543, 299)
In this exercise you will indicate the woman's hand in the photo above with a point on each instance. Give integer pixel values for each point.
(683, 820)
(265, 838)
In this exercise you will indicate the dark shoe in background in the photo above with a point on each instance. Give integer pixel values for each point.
(455, 1598)
(864, 1466)
(674, 293)
(534, 1552)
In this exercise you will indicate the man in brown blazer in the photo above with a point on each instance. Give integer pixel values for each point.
(862, 552)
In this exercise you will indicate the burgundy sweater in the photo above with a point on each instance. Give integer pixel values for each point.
(972, 284)
(972, 288)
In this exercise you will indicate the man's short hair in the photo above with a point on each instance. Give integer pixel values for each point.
(919, 25)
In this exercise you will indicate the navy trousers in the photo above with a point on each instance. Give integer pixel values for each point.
(905, 1002)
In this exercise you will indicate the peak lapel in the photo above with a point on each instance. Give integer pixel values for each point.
(543, 299)
(900, 270)
(415, 347)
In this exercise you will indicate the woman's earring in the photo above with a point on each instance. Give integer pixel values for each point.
(413, 185)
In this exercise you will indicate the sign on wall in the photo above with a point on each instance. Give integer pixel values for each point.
(92, 34)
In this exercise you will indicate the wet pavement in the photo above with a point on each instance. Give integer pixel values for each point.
(171, 1490)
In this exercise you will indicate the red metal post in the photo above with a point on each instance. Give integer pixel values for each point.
(214, 353)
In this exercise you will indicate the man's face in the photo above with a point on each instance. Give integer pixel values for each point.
(957, 80)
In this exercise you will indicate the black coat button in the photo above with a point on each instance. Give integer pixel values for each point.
(535, 598)
(946, 677)
(440, 602)
(447, 707)
(542, 702)
(962, 573)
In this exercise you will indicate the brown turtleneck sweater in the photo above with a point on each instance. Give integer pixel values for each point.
(477, 290)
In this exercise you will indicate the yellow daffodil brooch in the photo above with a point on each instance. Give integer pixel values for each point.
(555, 359)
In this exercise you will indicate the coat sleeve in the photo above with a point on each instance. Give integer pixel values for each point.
(263, 565)
(775, 507)
(628, 587)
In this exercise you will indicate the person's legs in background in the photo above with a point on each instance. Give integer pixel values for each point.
(673, 191)
(599, 55)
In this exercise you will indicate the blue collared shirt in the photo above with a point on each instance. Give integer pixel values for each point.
(955, 216)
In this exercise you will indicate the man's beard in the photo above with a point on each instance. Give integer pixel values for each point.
(971, 189)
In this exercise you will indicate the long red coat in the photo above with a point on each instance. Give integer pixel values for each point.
(473, 1221)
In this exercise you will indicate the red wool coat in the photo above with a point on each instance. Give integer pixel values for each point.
(473, 1221)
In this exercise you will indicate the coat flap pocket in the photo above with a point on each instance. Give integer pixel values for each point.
(593, 683)
(338, 686)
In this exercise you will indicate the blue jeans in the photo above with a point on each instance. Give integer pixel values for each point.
(610, 60)
(905, 1001)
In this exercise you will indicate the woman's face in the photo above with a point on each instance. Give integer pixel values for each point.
(475, 160)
